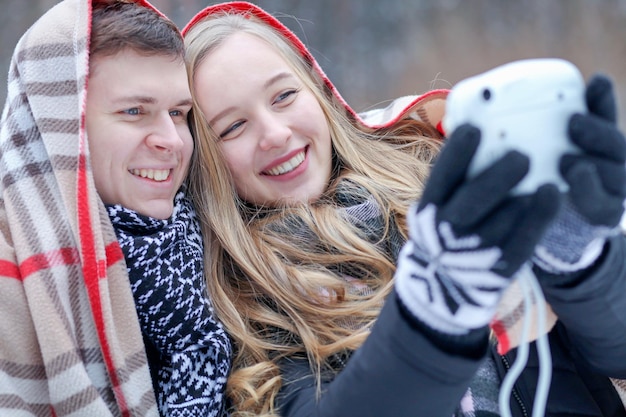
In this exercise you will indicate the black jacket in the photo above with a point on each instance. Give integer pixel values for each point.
(396, 372)
(400, 372)
(575, 390)
(587, 343)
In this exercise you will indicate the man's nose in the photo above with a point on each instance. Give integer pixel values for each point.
(164, 135)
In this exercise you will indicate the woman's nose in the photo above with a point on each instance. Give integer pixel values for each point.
(274, 131)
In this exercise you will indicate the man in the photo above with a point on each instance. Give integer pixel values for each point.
(97, 112)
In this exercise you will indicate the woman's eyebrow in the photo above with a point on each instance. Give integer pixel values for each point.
(266, 84)
(277, 77)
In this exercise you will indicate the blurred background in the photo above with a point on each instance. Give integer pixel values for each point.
(376, 50)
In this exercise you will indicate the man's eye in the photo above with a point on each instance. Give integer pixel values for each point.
(180, 116)
(132, 112)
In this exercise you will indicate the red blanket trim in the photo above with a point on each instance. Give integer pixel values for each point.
(440, 128)
(10, 270)
(93, 273)
(499, 330)
(40, 262)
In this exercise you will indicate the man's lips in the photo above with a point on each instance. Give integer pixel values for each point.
(152, 174)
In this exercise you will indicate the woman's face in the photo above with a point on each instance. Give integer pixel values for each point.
(271, 128)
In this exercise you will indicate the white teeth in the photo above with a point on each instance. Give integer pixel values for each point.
(288, 166)
(153, 174)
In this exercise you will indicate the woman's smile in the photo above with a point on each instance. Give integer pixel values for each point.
(287, 166)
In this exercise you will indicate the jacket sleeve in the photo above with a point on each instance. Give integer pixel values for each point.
(396, 372)
(593, 309)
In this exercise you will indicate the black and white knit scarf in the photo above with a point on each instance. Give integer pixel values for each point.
(189, 352)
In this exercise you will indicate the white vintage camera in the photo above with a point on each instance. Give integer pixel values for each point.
(523, 105)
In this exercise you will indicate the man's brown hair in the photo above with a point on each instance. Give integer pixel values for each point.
(118, 25)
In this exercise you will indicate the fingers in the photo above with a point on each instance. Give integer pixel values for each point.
(478, 197)
(534, 216)
(600, 98)
(611, 176)
(462, 201)
(599, 201)
(597, 137)
(451, 165)
(597, 176)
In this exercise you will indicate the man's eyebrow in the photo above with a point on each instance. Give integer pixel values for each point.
(136, 99)
(185, 102)
(151, 100)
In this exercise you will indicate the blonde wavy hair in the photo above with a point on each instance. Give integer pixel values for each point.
(276, 291)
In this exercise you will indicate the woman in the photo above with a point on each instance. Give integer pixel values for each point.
(312, 222)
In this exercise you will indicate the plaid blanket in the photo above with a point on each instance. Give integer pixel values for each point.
(70, 338)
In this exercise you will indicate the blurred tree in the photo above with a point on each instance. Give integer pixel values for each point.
(374, 51)
(15, 18)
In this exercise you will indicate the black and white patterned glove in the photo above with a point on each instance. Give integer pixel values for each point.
(597, 186)
(468, 237)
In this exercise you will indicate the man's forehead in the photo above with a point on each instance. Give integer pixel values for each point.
(126, 54)
(134, 78)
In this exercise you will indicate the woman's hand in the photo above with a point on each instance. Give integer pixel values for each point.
(597, 186)
(469, 236)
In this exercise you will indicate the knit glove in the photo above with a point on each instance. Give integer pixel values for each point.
(597, 186)
(468, 237)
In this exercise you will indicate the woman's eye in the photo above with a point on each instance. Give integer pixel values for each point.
(231, 129)
(285, 96)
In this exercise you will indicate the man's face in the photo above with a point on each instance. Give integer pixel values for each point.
(139, 140)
